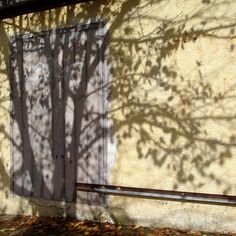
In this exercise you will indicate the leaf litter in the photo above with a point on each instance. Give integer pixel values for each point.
(34, 225)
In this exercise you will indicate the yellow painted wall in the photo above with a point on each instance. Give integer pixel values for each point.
(173, 107)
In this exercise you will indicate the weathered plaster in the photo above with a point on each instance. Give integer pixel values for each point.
(172, 108)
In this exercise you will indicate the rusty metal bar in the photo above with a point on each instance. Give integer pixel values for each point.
(205, 198)
(28, 6)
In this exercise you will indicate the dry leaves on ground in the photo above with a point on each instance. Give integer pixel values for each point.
(26, 225)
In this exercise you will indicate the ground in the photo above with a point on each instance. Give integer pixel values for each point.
(33, 225)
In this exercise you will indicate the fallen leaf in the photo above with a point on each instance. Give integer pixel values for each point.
(7, 229)
(136, 227)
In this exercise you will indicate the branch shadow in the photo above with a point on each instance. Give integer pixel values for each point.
(170, 114)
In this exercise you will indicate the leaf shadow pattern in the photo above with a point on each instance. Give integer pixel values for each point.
(165, 109)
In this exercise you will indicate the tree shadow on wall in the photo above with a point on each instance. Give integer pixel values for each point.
(58, 119)
(165, 111)
(173, 111)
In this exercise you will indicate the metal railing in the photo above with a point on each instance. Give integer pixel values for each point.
(218, 199)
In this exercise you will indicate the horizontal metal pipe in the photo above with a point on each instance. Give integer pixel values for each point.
(204, 198)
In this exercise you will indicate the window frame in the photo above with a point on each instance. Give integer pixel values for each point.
(106, 80)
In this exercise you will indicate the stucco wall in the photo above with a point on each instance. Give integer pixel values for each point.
(172, 108)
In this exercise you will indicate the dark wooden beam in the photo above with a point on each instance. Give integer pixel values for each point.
(29, 6)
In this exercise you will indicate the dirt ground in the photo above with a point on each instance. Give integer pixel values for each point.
(26, 225)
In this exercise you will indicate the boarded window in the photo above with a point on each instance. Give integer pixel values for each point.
(58, 113)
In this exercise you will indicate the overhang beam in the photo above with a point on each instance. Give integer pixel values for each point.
(29, 6)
